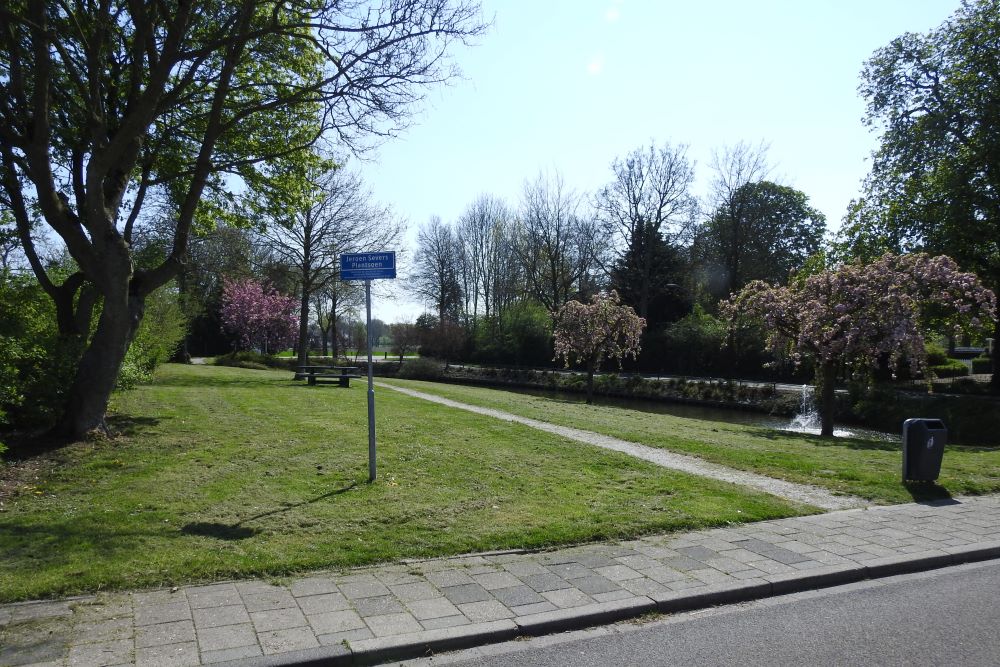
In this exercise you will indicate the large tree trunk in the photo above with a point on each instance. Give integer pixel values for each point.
(99, 366)
(826, 377)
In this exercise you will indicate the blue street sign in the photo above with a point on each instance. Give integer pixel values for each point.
(368, 265)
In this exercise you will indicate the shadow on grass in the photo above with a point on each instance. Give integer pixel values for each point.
(238, 531)
(246, 379)
(130, 425)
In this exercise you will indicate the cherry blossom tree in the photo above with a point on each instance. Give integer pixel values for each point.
(858, 315)
(258, 315)
(590, 333)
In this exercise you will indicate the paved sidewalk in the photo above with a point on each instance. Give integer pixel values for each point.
(410, 609)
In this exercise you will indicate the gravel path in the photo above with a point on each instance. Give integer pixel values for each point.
(801, 493)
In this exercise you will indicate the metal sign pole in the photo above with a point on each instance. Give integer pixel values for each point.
(371, 384)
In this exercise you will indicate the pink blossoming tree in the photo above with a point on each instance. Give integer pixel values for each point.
(257, 315)
(590, 333)
(857, 315)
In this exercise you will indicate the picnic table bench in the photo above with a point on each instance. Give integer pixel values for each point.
(340, 374)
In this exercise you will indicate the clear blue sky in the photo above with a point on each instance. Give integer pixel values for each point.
(570, 85)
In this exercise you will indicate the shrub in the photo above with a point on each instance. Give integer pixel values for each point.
(254, 361)
(950, 369)
(423, 368)
(936, 355)
(36, 364)
(162, 329)
(982, 365)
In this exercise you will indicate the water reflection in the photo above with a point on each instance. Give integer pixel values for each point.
(806, 422)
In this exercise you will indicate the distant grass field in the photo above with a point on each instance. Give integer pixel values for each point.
(226, 472)
(870, 469)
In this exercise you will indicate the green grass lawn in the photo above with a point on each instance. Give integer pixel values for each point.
(866, 468)
(226, 472)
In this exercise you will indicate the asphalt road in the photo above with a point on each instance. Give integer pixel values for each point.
(944, 617)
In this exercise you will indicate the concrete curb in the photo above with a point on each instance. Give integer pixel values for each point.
(422, 644)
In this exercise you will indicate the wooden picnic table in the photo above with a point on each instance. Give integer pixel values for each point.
(340, 374)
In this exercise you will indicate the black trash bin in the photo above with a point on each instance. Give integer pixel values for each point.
(923, 448)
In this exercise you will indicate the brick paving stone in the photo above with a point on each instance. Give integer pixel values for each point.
(444, 622)
(449, 578)
(278, 619)
(685, 585)
(594, 584)
(571, 570)
(536, 608)
(107, 630)
(612, 596)
(101, 608)
(219, 595)
(544, 582)
(568, 597)
(698, 552)
(493, 580)
(643, 586)
(392, 624)
(146, 598)
(618, 572)
(525, 568)
(102, 654)
(367, 577)
(415, 591)
(783, 553)
(212, 617)
(771, 566)
(164, 633)
(378, 606)
(316, 604)
(423, 610)
(162, 613)
(466, 593)
(226, 636)
(664, 574)
(355, 590)
(265, 599)
(683, 563)
(517, 596)
(727, 565)
(355, 635)
(639, 562)
(290, 639)
(171, 655)
(594, 561)
(311, 586)
(708, 576)
(228, 654)
(397, 578)
(486, 611)
(335, 621)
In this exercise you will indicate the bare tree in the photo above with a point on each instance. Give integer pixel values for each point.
(342, 218)
(435, 275)
(336, 301)
(735, 167)
(489, 267)
(647, 205)
(558, 248)
(103, 104)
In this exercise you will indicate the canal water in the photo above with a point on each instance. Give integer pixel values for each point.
(807, 421)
